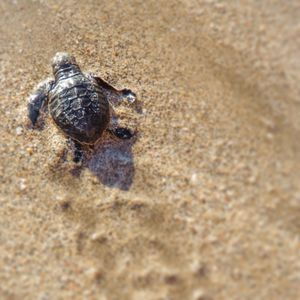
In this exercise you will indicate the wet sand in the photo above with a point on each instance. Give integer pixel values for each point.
(205, 202)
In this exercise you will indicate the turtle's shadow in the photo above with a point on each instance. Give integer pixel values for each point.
(112, 159)
(112, 163)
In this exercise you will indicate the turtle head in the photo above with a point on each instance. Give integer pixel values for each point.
(62, 60)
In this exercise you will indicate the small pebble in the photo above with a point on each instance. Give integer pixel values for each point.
(252, 179)
(95, 236)
(29, 150)
(98, 237)
(199, 295)
(19, 130)
(22, 184)
(194, 179)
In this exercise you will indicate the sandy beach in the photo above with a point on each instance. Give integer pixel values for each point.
(204, 203)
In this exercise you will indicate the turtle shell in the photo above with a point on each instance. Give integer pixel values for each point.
(79, 108)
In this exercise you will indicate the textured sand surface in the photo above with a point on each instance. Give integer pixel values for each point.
(205, 203)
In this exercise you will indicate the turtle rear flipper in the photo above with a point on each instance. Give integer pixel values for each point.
(121, 133)
(37, 100)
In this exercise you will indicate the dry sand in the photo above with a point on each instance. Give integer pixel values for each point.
(205, 204)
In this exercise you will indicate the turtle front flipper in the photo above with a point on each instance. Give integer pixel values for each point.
(78, 152)
(114, 96)
(37, 100)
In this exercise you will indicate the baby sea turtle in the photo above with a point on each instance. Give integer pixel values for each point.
(79, 103)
